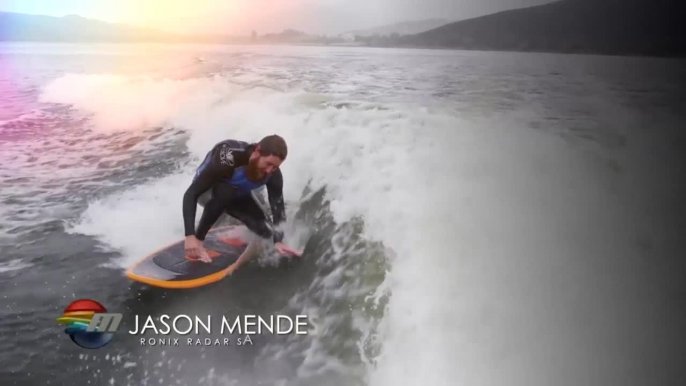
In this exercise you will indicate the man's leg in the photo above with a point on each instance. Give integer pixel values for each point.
(252, 250)
(246, 210)
(205, 198)
(222, 195)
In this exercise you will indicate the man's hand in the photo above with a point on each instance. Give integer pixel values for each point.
(194, 249)
(286, 250)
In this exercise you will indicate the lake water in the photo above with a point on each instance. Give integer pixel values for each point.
(468, 218)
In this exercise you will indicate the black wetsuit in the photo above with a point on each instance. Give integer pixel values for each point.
(223, 174)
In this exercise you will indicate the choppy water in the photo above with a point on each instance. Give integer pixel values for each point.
(468, 218)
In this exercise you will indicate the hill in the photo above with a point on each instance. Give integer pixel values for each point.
(620, 27)
(404, 28)
(21, 27)
(73, 28)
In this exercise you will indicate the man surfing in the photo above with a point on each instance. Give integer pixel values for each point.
(224, 183)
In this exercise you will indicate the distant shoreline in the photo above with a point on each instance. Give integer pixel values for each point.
(630, 28)
(355, 45)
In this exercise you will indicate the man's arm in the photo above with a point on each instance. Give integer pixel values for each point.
(275, 193)
(276, 203)
(210, 174)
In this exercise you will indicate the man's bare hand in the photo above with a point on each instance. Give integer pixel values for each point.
(286, 250)
(194, 249)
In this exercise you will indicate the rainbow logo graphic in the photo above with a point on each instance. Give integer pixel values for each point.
(88, 323)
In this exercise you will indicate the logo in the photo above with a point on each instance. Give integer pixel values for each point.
(226, 156)
(88, 323)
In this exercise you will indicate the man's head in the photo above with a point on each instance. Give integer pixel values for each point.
(268, 155)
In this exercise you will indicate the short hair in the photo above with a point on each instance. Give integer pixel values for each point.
(273, 145)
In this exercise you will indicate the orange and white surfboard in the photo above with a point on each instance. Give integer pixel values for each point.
(169, 267)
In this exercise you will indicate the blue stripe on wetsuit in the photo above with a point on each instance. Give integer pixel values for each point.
(241, 182)
(238, 179)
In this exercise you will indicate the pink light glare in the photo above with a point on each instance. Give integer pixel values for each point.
(214, 16)
(236, 17)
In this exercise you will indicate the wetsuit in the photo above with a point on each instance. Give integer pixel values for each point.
(222, 180)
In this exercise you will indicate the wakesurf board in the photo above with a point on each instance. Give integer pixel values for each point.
(170, 267)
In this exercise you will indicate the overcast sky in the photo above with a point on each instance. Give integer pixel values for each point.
(241, 16)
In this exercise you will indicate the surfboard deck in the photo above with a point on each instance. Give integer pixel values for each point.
(169, 267)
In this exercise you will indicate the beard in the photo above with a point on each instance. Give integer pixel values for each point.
(253, 171)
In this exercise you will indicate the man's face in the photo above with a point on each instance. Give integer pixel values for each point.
(260, 166)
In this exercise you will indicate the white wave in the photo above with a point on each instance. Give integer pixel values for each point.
(124, 103)
(488, 220)
(14, 265)
(137, 221)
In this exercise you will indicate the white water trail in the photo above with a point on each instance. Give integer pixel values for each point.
(501, 234)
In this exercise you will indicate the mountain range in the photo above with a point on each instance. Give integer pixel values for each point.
(403, 28)
(74, 28)
(617, 27)
(21, 27)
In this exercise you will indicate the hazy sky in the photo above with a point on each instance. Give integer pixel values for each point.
(241, 16)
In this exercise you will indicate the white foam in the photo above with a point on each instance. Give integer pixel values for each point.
(14, 265)
(139, 220)
(123, 103)
(488, 219)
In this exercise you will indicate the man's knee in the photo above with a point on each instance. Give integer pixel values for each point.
(204, 198)
(260, 227)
